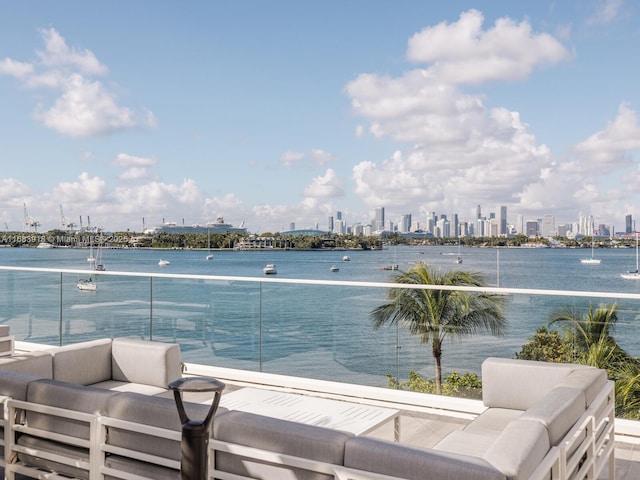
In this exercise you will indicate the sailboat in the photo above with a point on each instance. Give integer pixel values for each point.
(459, 259)
(210, 255)
(592, 260)
(87, 284)
(635, 275)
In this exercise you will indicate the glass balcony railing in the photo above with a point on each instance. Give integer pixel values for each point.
(306, 328)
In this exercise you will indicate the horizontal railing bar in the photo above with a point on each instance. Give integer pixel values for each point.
(294, 281)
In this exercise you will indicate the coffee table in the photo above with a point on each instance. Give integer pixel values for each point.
(336, 414)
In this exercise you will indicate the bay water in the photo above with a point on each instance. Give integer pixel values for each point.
(318, 331)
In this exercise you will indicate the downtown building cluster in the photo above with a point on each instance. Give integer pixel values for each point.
(495, 224)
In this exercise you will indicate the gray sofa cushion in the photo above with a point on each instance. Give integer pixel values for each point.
(132, 360)
(275, 435)
(68, 396)
(589, 380)
(14, 384)
(519, 449)
(83, 363)
(154, 411)
(144, 469)
(36, 363)
(387, 458)
(493, 421)
(558, 411)
(519, 384)
(60, 450)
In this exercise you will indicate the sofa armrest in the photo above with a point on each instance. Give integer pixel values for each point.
(149, 363)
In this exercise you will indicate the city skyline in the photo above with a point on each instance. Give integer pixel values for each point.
(273, 114)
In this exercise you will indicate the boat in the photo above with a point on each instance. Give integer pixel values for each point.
(633, 275)
(270, 269)
(45, 245)
(346, 258)
(86, 285)
(334, 268)
(163, 262)
(393, 266)
(209, 255)
(99, 264)
(458, 260)
(590, 260)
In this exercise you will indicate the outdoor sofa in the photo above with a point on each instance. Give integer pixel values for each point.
(93, 410)
(541, 421)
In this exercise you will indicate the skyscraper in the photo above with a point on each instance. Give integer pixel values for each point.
(379, 221)
(628, 222)
(503, 221)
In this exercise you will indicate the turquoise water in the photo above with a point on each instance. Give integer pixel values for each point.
(316, 331)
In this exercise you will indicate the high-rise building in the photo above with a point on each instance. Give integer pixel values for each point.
(628, 224)
(503, 221)
(548, 225)
(405, 223)
(330, 223)
(379, 220)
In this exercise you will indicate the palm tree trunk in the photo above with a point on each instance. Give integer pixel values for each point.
(437, 354)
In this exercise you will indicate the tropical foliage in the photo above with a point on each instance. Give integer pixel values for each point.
(468, 385)
(435, 314)
(587, 338)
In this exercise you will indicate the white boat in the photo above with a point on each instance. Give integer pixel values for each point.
(163, 262)
(45, 245)
(87, 285)
(334, 268)
(459, 258)
(635, 275)
(346, 258)
(592, 260)
(210, 255)
(270, 269)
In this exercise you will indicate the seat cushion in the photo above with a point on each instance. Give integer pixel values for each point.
(387, 458)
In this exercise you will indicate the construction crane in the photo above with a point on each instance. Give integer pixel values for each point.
(30, 223)
(65, 223)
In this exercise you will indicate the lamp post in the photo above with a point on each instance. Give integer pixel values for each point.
(195, 433)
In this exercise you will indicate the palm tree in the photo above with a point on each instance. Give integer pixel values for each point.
(591, 332)
(434, 315)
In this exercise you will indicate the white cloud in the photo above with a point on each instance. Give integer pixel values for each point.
(126, 160)
(290, 158)
(463, 53)
(84, 107)
(609, 147)
(86, 190)
(10, 189)
(58, 55)
(327, 186)
(607, 11)
(15, 69)
(320, 157)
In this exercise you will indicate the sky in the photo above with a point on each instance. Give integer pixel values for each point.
(129, 114)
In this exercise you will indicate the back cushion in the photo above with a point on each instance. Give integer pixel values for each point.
(68, 396)
(150, 363)
(519, 384)
(589, 380)
(558, 411)
(519, 449)
(276, 435)
(83, 363)
(35, 363)
(154, 411)
(14, 384)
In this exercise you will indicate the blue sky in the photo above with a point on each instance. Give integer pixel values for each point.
(270, 113)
